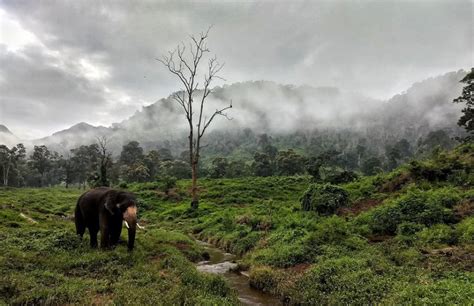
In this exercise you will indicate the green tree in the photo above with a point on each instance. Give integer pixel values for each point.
(371, 165)
(9, 159)
(289, 163)
(265, 146)
(436, 139)
(219, 167)
(85, 160)
(467, 96)
(262, 165)
(175, 168)
(41, 160)
(131, 154)
(165, 154)
(237, 168)
(105, 161)
(68, 170)
(152, 162)
(312, 167)
(136, 172)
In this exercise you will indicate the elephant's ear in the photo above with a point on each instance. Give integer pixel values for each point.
(111, 201)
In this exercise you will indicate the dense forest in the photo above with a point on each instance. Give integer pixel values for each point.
(332, 157)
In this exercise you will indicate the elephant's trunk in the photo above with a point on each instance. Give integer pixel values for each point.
(130, 217)
(131, 236)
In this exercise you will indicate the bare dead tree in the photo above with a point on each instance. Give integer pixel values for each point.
(184, 64)
(105, 158)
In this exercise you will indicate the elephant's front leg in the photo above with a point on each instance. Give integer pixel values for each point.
(115, 232)
(104, 238)
(104, 234)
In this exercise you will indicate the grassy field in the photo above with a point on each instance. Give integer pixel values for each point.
(43, 262)
(403, 237)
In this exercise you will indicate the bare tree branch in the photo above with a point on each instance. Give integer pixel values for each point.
(185, 64)
(219, 112)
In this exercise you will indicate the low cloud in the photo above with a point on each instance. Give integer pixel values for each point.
(95, 61)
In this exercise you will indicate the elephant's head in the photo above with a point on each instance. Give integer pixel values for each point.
(123, 205)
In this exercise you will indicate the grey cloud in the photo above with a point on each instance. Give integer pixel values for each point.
(37, 93)
(374, 47)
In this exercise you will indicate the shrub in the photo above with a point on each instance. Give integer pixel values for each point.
(324, 199)
(281, 255)
(451, 291)
(409, 228)
(123, 185)
(465, 230)
(264, 278)
(416, 206)
(406, 232)
(335, 175)
(437, 235)
(341, 281)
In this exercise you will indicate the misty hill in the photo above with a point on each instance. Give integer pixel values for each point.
(4, 129)
(275, 109)
(7, 137)
(78, 134)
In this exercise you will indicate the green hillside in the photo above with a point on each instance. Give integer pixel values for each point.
(405, 237)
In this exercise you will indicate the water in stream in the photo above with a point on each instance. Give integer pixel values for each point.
(222, 263)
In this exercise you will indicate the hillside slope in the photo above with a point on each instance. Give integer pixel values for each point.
(267, 107)
(405, 237)
(402, 237)
(7, 137)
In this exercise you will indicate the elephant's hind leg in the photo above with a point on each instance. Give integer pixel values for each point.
(80, 223)
(93, 230)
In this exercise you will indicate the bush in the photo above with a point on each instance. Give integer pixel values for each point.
(324, 199)
(332, 231)
(409, 228)
(465, 230)
(282, 255)
(451, 291)
(406, 232)
(264, 278)
(341, 281)
(335, 175)
(437, 235)
(427, 208)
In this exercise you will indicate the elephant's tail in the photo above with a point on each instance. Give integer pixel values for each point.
(79, 220)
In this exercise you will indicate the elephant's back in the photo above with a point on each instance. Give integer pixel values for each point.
(93, 198)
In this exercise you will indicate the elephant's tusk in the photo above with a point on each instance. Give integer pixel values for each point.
(140, 227)
(126, 224)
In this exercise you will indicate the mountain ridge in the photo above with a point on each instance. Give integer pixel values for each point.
(269, 107)
(4, 129)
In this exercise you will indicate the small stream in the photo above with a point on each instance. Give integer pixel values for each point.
(222, 263)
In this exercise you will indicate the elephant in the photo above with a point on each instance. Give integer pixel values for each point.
(106, 209)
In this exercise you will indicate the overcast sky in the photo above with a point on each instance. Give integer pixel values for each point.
(62, 62)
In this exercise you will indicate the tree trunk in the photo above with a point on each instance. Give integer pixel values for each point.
(5, 175)
(195, 198)
(103, 174)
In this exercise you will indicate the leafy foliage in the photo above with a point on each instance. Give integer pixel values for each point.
(324, 199)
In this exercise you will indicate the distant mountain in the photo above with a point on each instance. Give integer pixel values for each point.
(268, 107)
(78, 134)
(7, 137)
(4, 129)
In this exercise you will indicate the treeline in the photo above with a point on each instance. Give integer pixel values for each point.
(94, 165)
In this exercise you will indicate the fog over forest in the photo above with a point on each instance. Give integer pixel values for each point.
(268, 107)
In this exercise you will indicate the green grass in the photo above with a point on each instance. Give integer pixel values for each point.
(404, 237)
(45, 263)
